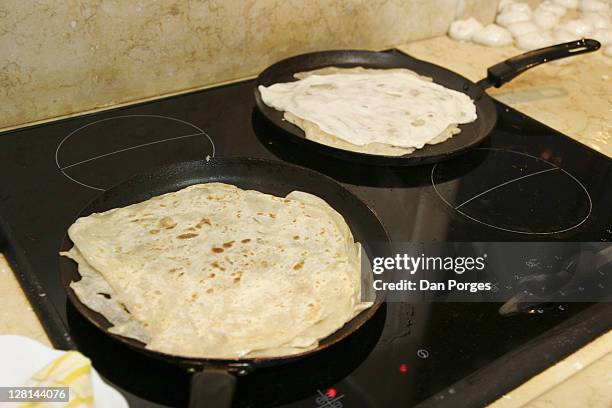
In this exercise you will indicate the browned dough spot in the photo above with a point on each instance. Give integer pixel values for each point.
(166, 223)
(202, 222)
(187, 235)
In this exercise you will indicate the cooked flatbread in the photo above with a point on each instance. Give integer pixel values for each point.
(376, 111)
(219, 272)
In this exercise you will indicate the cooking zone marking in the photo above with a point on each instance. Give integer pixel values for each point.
(130, 148)
(553, 167)
(505, 184)
(62, 168)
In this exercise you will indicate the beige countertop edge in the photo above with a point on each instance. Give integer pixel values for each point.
(16, 313)
(585, 376)
(583, 379)
(112, 105)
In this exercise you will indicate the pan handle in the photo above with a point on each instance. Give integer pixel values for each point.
(499, 74)
(212, 388)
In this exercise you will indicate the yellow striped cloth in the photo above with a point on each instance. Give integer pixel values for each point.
(72, 370)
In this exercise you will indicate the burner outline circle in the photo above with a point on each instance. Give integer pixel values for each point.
(200, 132)
(553, 167)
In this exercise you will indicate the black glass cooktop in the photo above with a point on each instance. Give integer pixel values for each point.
(525, 182)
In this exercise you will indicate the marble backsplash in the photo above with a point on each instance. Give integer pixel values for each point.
(63, 57)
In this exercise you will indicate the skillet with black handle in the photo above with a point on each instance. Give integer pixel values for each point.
(213, 380)
(471, 133)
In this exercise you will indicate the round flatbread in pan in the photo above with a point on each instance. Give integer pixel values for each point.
(248, 174)
(388, 112)
(471, 133)
(216, 271)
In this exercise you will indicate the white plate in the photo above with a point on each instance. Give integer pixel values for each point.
(21, 358)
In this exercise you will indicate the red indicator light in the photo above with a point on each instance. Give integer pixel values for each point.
(331, 392)
(403, 368)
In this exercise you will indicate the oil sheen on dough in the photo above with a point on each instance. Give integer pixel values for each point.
(393, 107)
